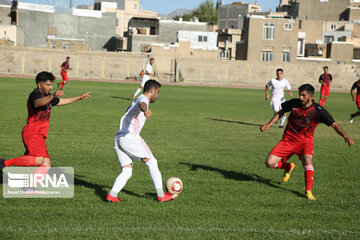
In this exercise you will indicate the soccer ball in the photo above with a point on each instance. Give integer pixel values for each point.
(174, 185)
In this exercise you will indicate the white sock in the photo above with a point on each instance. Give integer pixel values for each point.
(137, 92)
(121, 181)
(155, 175)
(282, 120)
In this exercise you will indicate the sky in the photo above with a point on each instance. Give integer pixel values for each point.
(163, 6)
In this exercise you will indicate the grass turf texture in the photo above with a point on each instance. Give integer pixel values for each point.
(210, 138)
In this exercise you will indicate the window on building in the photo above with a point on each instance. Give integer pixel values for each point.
(333, 26)
(224, 54)
(135, 6)
(328, 39)
(267, 56)
(269, 30)
(300, 47)
(324, 0)
(202, 38)
(118, 22)
(286, 56)
(66, 45)
(288, 26)
(53, 45)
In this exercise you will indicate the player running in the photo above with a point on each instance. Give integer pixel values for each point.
(356, 86)
(298, 135)
(34, 134)
(325, 80)
(278, 85)
(129, 145)
(147, 74)
(65, 67)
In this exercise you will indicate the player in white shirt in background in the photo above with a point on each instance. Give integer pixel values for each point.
(278, 85)
(129, 145)
(148, 73)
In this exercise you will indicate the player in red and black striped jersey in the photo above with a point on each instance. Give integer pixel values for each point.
(298, 135)
(355, 87)
(325, 80)
(34, 134)
(64, 69)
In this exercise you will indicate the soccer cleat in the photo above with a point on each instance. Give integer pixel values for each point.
(281, 126)
(58, 86)
(2, 163)
(133, 97)
(309, 195)
(351, 118)
(287, 174)
(111, 199)
(167, 197)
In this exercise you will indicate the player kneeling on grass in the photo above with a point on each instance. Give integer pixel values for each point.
(129, 145)
(34, 134)
(298, 135)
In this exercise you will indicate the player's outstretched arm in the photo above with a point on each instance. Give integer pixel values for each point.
(276, 117)
(64, 101)
(40, 102)
(342, 133)
(290, 93)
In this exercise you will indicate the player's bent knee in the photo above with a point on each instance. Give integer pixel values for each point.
(47, 162)
(145, 160)
(39, 161)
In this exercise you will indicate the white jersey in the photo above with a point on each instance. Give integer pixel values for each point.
(149, 69)
(134, 119)
(277, 88)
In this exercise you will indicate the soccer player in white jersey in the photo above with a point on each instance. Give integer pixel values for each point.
(148, 73)
(278, 85)
(129, 145)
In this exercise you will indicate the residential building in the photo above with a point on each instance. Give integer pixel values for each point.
(268, 39)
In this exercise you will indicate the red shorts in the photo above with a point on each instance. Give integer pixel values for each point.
(325, 91)
(35, 145)
(64, 75)
(286, 149)
(358, 101)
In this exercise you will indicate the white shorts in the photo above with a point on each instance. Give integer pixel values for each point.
(276, 104)
(131, 147)
(145, 79)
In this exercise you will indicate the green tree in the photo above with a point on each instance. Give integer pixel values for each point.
(206, 12)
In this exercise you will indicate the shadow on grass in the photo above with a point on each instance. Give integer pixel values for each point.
(239, 176)
(231, 121)
(102, 193)
(123, 98)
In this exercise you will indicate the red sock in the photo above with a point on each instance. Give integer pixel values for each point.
(62, 86)
(282, 164)
(24, 161)
(42, 169)
(321, 102)
(309, 177)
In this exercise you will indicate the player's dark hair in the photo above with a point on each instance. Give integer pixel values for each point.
(308, 88)
(44, 76)
(150, 84)
(151, 59)
(67, 58)
(326, 67)
(279, 69)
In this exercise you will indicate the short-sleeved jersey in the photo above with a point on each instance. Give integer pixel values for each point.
(357, 86)
(325, 78)
(277, 87)
(149, 69)
(65, 65)
(38, 118)
(303, 121)
(134, 119)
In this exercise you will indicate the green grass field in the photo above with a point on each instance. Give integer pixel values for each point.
(210, 138)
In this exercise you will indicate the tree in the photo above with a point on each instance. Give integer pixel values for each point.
(206, 12)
